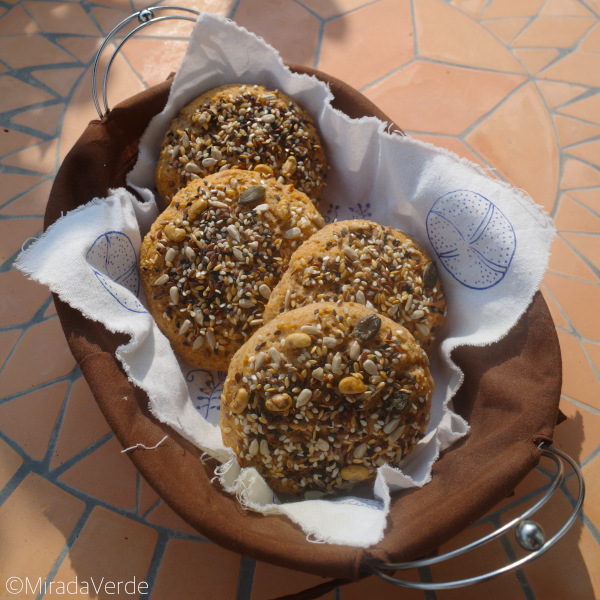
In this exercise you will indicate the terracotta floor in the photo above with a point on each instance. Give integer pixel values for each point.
(511, 84)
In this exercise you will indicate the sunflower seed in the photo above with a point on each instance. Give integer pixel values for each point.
(253, 447)
(396, 434)
(264, 290)
(211, 340)
(185, 326)
(370, 367)
(162, 279)
(293, 234)
(393, 309)
(336, 364)
(233, 232)
(189, 252)
(239, 255)
(350, 253)
(170, 256)
(329, 342)
(322, 444)
(360, 450)
(275, 357)
(354, 350)
(310, 329)
(303, 398)
(391, 426)
(259, 360)
(264, 448)
(318, 373)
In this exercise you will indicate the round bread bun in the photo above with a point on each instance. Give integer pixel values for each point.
(244, 126)
(321, 396)
(363, 262)
(210, 260)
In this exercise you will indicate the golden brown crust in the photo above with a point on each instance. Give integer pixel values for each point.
(244, 126)
(221, 251)
(323, 395)
(358, 260)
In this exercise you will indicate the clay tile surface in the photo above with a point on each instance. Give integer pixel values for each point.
(511, 85)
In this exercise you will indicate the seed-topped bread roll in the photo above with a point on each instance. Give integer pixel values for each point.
(364, 262)
(321, 396)
(245, 126)
(211, 259)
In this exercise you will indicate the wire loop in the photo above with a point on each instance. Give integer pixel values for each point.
(145, 17)
(540, 547)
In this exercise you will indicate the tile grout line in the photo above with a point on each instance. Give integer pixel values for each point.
(234, 9)
(14, 482)
(79, 456)
(64, 552)
(247, 571)
(580, 404)
(582, 256)
(46, 461)
(586, 522)
(594, 212)
(317, 54)
(519, 574)
(155, 562)
(426, 576)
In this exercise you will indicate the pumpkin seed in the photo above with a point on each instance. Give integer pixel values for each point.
(367, 328)
(398, 401)
(430, 276)
(252, 194)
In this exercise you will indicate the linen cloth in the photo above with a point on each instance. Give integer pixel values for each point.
(490, 241)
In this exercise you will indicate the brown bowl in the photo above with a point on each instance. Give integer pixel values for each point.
(510, 397)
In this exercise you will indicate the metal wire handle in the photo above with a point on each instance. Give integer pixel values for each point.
(145, 17)
(529, 535)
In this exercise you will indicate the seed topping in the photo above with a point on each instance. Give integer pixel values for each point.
(330, 416)
(218, 258)
(381, 268)
(248, 128)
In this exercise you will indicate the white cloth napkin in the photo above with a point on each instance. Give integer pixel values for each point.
(491, 243)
